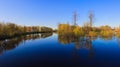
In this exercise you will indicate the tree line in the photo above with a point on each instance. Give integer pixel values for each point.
(10, 30)
(87, 30)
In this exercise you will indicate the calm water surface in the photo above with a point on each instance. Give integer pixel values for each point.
(51, 50)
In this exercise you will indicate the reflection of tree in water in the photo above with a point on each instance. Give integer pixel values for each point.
(44, 35)
(106, 37)
(86, 43)
(118, 40)
(79, 42)
(9, 44)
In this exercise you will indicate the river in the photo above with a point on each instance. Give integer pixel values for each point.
(51, 50)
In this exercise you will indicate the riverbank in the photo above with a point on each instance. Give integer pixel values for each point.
(9, 30)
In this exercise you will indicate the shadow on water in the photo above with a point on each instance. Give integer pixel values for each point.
(12, 43)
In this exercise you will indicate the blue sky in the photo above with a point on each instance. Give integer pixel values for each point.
(51, 12)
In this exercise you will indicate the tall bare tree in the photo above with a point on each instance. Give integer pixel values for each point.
(91, 18)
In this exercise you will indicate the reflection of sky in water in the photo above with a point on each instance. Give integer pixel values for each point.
(48, 51)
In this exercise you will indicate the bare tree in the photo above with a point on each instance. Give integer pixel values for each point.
(91, 18)
(75, 15)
